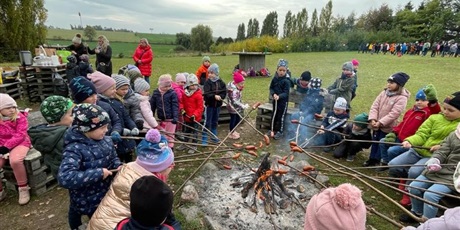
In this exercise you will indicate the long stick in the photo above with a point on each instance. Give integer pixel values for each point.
(395, 223)
(387, 143)
(397, 166)
(272, 133)
(247, 122)
(354, 174)
(307, 175)
(177, 142)
(201, 153)
(210, 155)
(317, 127)
(201, 159)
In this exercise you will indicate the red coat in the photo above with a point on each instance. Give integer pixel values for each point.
(193, 105)
(145, 54)
(412, 120)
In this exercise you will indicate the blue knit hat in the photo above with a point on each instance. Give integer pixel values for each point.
(153, 153)
(283, 63)
(214, 68)
(81, 88)
(88, 117)
(420, 95)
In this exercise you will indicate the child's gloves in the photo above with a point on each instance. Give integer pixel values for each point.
(4, 150)
(245, 106)
(192, 118)
(126, 132)
(135, 132)
(433, 165)
(182, 112)
(391, 137)
(140, 124)
(115, 136)
(431, 94)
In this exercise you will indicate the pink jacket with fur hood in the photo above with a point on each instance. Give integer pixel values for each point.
(387, 109)
(13, 134)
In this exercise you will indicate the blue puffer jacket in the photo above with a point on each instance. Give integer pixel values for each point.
(313, 101)
(81, 169)
(166, 105)
(115, 123)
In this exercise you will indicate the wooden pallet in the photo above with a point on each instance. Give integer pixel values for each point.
(13, 89)
(264, 114)
(37, 81)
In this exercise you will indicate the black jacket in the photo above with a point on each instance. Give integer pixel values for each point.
(214, 88)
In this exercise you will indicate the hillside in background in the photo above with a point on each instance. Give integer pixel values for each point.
(64, 34)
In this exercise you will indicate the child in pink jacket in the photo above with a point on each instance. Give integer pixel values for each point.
(14, 144)
(142, 89)
(385, 111)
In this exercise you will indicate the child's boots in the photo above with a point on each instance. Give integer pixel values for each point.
(24, 195)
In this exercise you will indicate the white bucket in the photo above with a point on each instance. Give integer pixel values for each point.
(55, 60)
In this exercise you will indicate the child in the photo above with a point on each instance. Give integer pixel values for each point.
(156, 159)
(336, 120)
(234, 105)
(214, 94)
(164, 102)
(448, 153)
(151, 202)
(142, 89)
(336, 208)
(178, 86)
(412, 120)
(355, 71)
(358, 131)
(126, 95)
(302, 83)
(84, 66)
(49, 138)
(202, 72)
(83, 91)
(15, 142)
(87, 158)
(72, 69)
(193, 109)
(385, 111)
(133, 75)
(430, 134)
(106, 89)
(343, 86)
(449, 220)
(279, 90)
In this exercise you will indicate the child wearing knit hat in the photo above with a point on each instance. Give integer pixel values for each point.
(357, 130)
(343, 85)
(235, 105)
(49, 138)
(355, 71)
(126, 95)
(279, 91)
(155, 159)
(179, 85)
(202, 72)
(83, 91)
(192, 111)
(142, 89)
(341, 207)
(383, 116)
(215, 91)
(14, 144)
(165, 103)
(302, 83)
(335, 120)
(88, 157)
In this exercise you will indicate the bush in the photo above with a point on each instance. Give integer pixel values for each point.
(121, 55)
(180, 48)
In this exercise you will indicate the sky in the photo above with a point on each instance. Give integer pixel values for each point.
(180, 16)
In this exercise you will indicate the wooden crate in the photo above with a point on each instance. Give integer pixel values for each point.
(13, 89)
(37, 81)
(264, 114)
(224, 115)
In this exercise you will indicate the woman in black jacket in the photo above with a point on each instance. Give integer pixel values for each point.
(103, 53)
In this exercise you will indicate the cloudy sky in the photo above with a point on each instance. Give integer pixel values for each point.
(175, 16)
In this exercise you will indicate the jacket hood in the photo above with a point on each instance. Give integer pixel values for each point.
(74, 135)
(46, 137)
(129, 94)
(452, 217)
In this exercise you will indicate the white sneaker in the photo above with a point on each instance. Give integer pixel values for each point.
(2, 194)
(24, 195)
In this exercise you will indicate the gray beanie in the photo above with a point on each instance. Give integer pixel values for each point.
(340, 103)
(347, 66)
(120, 80)
(214, 68)
(140, 85)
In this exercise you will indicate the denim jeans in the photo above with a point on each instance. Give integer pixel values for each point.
(212, 118)
(375, 152)
(410, 157)
(419, 206)
(389, 152)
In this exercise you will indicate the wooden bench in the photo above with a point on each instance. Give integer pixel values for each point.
(264, 112)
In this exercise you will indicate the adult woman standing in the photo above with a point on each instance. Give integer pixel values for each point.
(103, 53)
(77, 48)
(143, 57)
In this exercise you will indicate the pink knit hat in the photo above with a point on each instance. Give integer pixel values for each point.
(336, 208)
(165, 80)
(101, 81)
(6, 101)
(237, 77)
(153, 153)
(355, 62)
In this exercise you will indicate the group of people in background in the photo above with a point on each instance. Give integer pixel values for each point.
(442, 48)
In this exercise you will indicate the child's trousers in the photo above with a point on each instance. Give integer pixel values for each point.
(419, 206)
(16, 157)
(170, 128)
(281, 108)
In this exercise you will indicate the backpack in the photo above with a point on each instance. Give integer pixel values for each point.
(60, 85)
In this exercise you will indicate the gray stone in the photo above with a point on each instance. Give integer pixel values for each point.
(35, 118)
(189, 194)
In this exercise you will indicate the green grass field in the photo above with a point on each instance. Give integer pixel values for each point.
(373, 73)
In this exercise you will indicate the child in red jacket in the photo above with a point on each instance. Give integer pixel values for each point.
(193, 109)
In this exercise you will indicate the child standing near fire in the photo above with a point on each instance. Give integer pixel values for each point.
(235, 106)
(14, 144)
(279, 90)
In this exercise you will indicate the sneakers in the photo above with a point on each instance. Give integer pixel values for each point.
(370, 163)
(234, 136)
(2, 194)
(351, 158)
(382, 169)
(237, 134)
(24, 195)
(192, 150)
(181, 147)
(408, 219)
(278, 135)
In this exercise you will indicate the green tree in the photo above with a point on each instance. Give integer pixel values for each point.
(90, 33)
(314, 27)
(254, 29)
(201, 38)
(22, 26)
(287, 28)
(302, 23)
(270, 25)
(240, 36)
(183, 39)
(325, 19)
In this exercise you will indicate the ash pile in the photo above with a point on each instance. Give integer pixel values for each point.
(258, 195)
